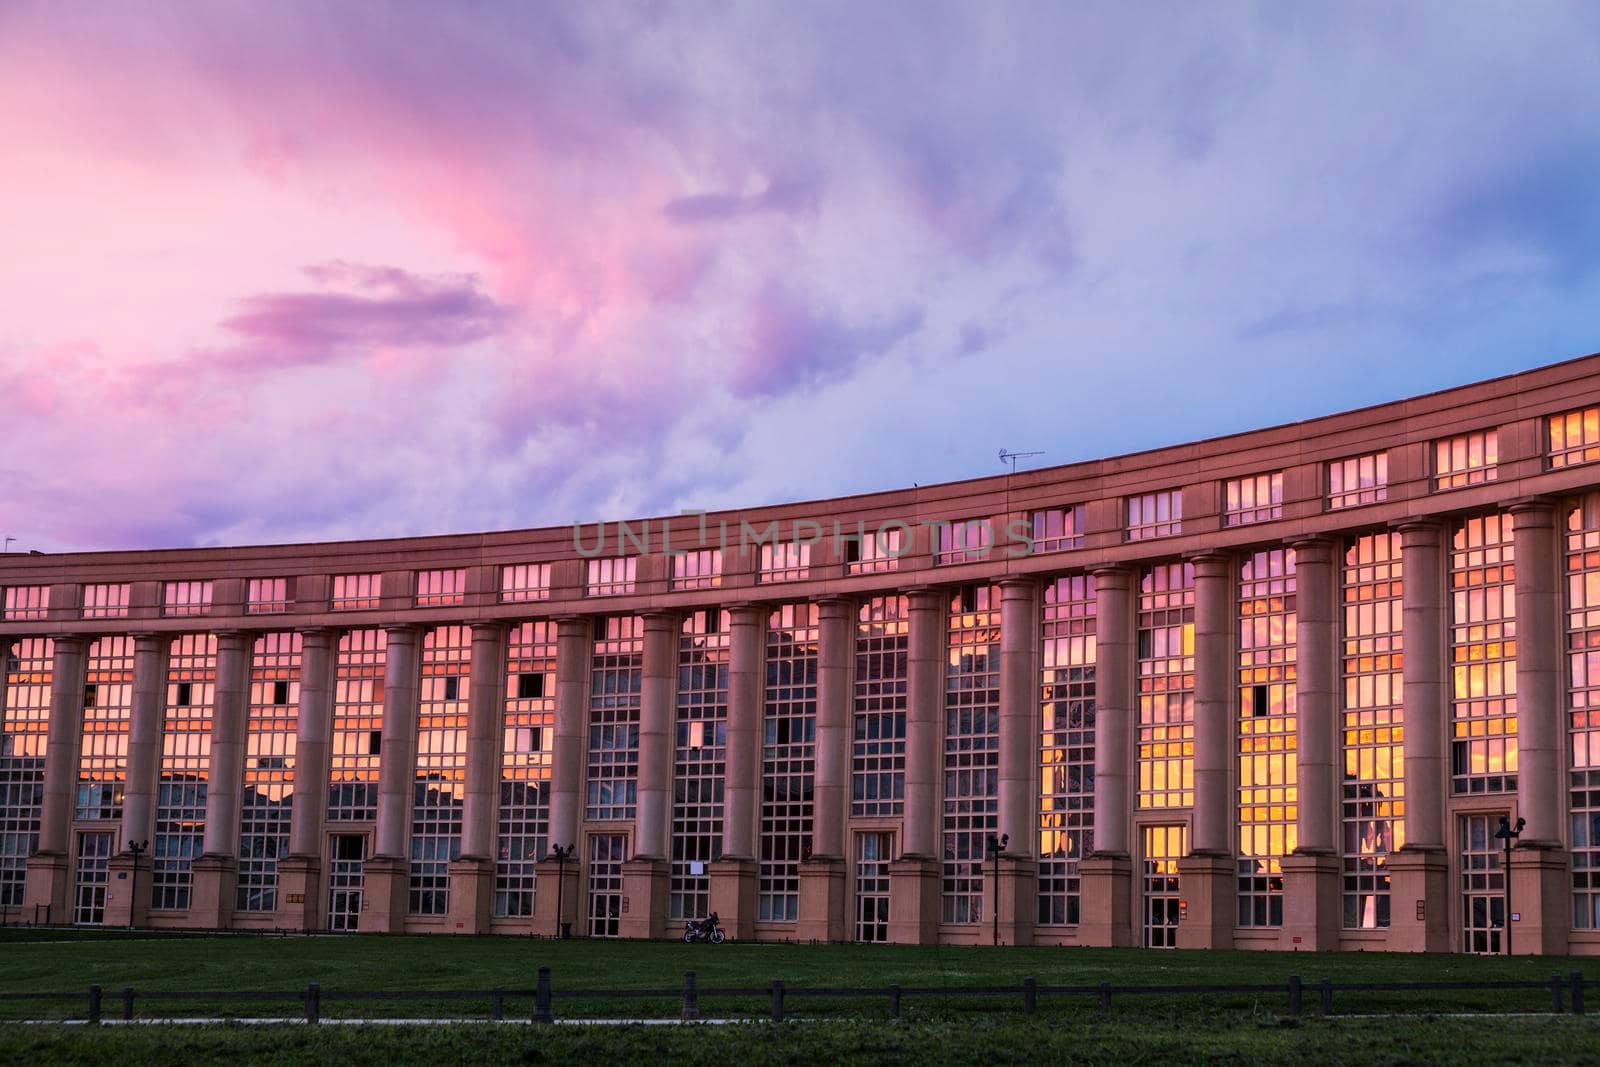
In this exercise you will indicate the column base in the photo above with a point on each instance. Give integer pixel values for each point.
(914, 903)
(555, 886)
(299, 893)
(733, 895)
(1311, 902)
(1540, 893)
(1018, 899)
(471, 894)
(1419, 900)
(1209, 884)
(126, 903)
(385, 894)
(644, 898)
(822, 905)
(211, 897)
(44, 892)
(1105, 881)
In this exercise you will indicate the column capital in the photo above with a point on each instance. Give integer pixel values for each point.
(1019, 585)
(659, 619)
(747, 613)
(1113, 574)
(924, 598)
(403, 632)
(72, 644)
(490, 631)
(1211, 562)
(1419, 529)
(1535, 510)
(1314, 549)
(320, 636)
(837, 606)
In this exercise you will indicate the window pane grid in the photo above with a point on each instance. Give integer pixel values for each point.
(106, 601)
(963, 541)
(24, 724)
(971, 748)
(616, 676)
(1066, 749)
(1268, 772)
(107, 719)
(186, 598)
(1358, 480)
(25, 602)
(1056, 529)
(878, 748)
(614, 576)
(877, 552)
(1574, 438)
(1466, 459)
(185, 767)
(1483, 656)
(523, 582)
(353, 762)
(439, 785)
(1583, 709)
(356, 592)
(1258, 498)
(699, 754)
(1155, 515)
(700, 569)
(786, 561)
(1166, 686)
(264, 807)
(441, 588)
(788, 758)
(529, 728)
(267, 596)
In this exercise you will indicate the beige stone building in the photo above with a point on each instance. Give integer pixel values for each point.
(1275, 690)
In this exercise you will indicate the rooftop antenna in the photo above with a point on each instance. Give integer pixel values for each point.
(1012, 457)
(7, 547)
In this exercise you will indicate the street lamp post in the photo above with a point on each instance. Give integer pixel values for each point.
(1508, 835)
(996, 846)
(561, 852)
(137, 848)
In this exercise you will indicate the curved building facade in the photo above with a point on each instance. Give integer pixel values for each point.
(1275, 690)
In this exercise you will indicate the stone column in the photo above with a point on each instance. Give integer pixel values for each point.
(1019, 746)
(914, 875)
(300, 872)
(1311, 875)
(1540, 889)
(387, 872)
(472, 876)
(216, 869)
(1420, 896)
(822, 902)
(644, 874)
(1107, 872)
(574, 637)
(1209, 874)
(48, 872)
(144, 772)
(734, 875)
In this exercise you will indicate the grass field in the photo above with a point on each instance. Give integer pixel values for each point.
(1153, 1029)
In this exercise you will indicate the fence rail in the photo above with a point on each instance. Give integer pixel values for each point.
(1566, 994)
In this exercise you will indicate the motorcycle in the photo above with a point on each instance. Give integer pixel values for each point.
(702, 930)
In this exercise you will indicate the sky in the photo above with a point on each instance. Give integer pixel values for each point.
(298, 271)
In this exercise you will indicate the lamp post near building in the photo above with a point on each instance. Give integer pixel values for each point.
(136, 849)
(1508, 835)
(561, 852)
(996, 846)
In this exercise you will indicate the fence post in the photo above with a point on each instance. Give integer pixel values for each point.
(313, 1003)
(94, 1005)
(691, 997)
(1030, 996)
(1577, 992)
(894, 1001)
(1555, 993)
(1105, 995)
(127, 1002)
(541, 998)
(777, 1000)
(1294, 994)
(499, 1010)
(1326, 988)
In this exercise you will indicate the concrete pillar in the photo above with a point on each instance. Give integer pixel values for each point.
(1311, 875)
(822, 898)
(925, 696)
(1208, 875)
(1541, 892)
(644, 874)
(130, 906)
(1420, 894)
(734, 876)
(1019, 746)
(1106, 873)
(574, 637)
(216, 869)
(300, 872)
(387, 872)
(46, 885)
(472, 875)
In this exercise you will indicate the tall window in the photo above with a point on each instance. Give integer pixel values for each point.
(1166, 686)
(788, 758)
(700, 754)
(877, 552)
(1574, 438)
(1055, 529)
(439, 788)
(185, 767)
(1483, 656)
(613, 576)
(522, 582)
(1155, 515)
(1466, 459)
(1257, 498)
(1358, 480)
(878, 752)
(1066, 748)
(1373, 804)
(24, 723)
(1583, 675)
(357, 726)
(786, 561)
(357, 592)
(700, 569)
(107, 718)
(1268, 774)
(441, 588)
(267, 596)
(616, 678)
(106, 601)
(264, 806)
(529, 723)
(186, 598)
(971, 747)
(24, 602)
(963, 541)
